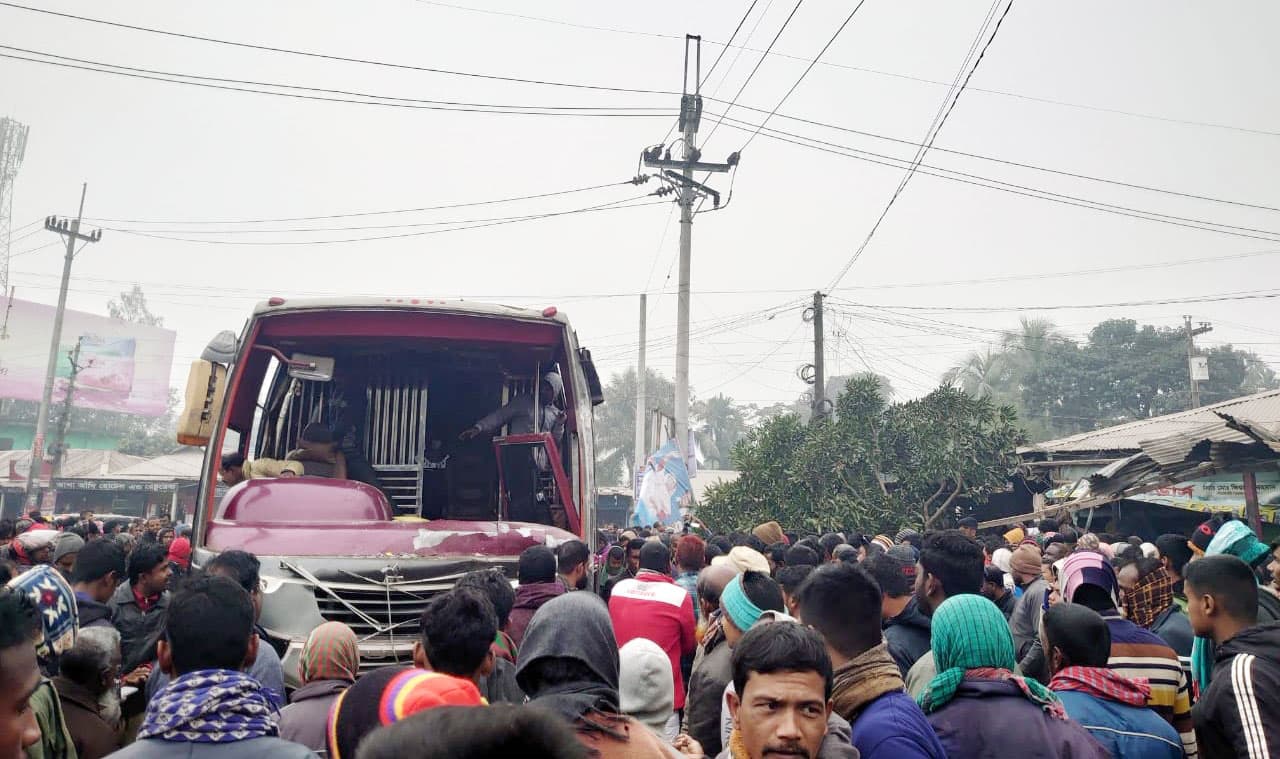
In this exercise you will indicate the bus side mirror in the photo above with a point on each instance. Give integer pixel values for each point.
(593, 378)
(206, 391)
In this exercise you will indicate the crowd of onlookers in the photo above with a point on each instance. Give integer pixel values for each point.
(1044, 640)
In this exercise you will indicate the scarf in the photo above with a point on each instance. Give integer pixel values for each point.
(862, 680)
(971, 638)
(330, 653)
(1149, 598)
(1103, 683)
(210, 706)
(737, 747)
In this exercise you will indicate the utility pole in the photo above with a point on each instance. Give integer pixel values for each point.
(819, 363)
(59, 446)
(690, 190)
(1196, 371)
(641, 404)
(70, 231)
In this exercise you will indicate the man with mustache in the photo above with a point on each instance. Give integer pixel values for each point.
(782, 694)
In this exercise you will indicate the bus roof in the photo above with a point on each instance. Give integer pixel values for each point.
(407, 303)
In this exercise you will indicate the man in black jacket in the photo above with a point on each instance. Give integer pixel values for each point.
(138, 607)
(99, 571)
(1238, 714)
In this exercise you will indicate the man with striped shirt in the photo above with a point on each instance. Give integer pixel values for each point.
(1087, 578)
(1239, 711)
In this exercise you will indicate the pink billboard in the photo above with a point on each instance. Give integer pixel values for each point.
(123, 367)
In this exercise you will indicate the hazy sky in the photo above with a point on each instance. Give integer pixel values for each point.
(1197, 82)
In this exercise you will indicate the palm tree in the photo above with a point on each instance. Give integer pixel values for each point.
(982, 375)
(722, 425)
(1027, 347)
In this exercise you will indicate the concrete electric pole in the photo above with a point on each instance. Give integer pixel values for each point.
(1197, 366)
(678, 173)
(641, 403)
(70, 231)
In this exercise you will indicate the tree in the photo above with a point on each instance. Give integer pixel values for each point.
(132, 308)
(615, 423)
(721, 424)
(982, 374)
(876, 466)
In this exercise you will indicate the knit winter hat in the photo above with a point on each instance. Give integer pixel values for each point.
(770, 533)
(1203, 535)
(1025, 561)
(1237, 539)
(180, 552)
(67, 544)
(388, 695)
(53, 598)
(646, 684)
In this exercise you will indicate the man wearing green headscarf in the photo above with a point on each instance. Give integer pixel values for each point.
(975, 696)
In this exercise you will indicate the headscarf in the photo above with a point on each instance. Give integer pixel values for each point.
(572, 626)
(1088, 568)
(1014, 537)
(1149, 598)
(970, 633)
(330, 653)
(180, 552)
(743, 559)
(210, 706)
(742, 610)
(1002, 557)
(45, 587)
(27, 543)
(388, 695)
(1089, 542)
(1238, 539)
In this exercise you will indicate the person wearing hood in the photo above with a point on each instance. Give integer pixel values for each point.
(569, 665)
(536, 573)
(906, 628)
(1088, 579)
(519, 417)
(66, 549)
(329, 664)
(1112, 708)
(838, 601)
(645, 686)
(1238, 714)
(179, 560)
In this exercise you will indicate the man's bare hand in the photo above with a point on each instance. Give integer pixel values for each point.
(469, 434)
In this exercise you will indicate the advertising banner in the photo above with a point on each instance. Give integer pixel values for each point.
(1219, 493)
(124, 367)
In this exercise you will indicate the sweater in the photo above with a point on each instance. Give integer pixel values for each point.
(1138, 653)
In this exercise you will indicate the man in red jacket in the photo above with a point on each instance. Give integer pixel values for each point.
(653, 606)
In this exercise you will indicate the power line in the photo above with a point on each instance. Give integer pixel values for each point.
(921, 152)
(1215, 298)
(341, 96)
(611, 206)
(803, 74)
(353, 214)
(879, 72)
(747, 81)
(978, 180)
(330, 57)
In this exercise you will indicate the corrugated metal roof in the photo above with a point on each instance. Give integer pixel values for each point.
(182, 465)
(1260, 408)
(79, 462)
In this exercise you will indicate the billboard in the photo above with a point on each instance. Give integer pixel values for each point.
(124, 367)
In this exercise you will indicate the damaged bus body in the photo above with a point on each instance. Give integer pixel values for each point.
(393, 388)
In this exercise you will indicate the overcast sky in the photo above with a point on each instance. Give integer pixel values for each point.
(1175, 95)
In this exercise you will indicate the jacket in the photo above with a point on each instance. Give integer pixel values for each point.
(254, 748)
(1128, 732)
(991, 718)
(836, 745)
(908, 636)
(1138, 653)
(652, 606)
(1024, 623)
(1239, 714)
(303, 720)
(139, 630)
(91, 612)
(92, 736)
(1007, 604)
(894, 727)
(529, 598)
(712, 671)
(499, 686)
(1174, 628)
(55, 737)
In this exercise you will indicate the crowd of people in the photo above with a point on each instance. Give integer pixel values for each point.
(1041, 641)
